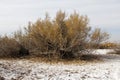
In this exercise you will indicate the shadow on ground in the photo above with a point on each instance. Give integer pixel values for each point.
(92, 57)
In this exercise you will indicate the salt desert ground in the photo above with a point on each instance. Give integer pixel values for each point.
(108, 69)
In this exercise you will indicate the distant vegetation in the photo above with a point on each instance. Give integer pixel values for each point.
(63, 37)
(117, 49)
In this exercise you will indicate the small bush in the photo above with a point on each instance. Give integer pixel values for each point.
(98, 37)
(108, 45)
(117, 49)
(9, 47)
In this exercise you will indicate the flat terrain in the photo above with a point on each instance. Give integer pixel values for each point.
(108, 69)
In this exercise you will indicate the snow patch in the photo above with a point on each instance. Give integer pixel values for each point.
(29, 70)
(102, 51)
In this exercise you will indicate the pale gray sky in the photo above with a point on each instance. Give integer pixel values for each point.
(102, 13)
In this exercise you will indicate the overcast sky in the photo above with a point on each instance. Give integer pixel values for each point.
(102, 13)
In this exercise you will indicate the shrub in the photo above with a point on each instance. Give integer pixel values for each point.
(117, 49)
(9, 47)
(65, 37)
(62, 37)
(108, 45)
(98, 37)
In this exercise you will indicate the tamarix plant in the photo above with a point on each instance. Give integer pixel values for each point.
(61, 37)
(64, 36)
